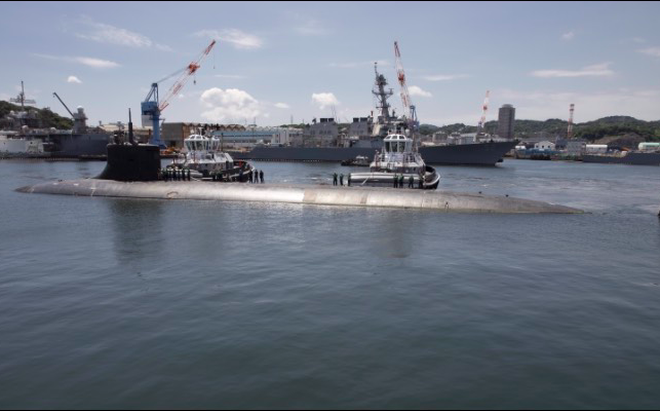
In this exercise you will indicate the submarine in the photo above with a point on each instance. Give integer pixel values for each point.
(133, 171)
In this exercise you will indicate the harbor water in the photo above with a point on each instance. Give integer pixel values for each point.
(119, 303)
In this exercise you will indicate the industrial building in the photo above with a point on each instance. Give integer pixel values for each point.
(233, 136)
(506, 119)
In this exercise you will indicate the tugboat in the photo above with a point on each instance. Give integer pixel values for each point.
(206, 162)
(398, 159)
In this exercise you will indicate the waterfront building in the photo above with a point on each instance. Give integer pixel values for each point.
(545, 146)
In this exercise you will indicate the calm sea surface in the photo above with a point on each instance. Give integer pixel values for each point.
(114, 303)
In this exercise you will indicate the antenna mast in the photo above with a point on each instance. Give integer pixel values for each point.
(569, 131)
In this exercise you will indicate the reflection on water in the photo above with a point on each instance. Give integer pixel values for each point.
(111, 303)
(138, 228)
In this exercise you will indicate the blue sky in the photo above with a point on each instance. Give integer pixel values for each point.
(280, 59)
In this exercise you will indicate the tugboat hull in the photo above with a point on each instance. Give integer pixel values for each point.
(430, 179)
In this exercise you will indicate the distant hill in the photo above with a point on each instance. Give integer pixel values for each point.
(48, 118)
(606, 127)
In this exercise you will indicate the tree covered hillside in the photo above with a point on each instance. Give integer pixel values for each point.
(613, 126)
(48, 118)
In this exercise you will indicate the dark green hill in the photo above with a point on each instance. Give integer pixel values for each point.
(612, 126)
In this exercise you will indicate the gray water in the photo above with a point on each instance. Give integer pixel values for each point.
(115, 303)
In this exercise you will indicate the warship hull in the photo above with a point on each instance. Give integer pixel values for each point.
(637, 159)
(482, 154)
(77, 145)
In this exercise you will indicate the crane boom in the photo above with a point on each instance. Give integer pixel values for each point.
(185, 75)
(67, 108)
(408, 106)
(482, 121)
(152, 106)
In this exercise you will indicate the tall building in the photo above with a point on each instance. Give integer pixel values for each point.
(505, 121)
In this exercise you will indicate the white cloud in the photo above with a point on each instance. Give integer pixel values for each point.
(73, 79)
(651, 51)
(417, 91)
(105, 33)
(312, 28)
(596, 70)
(568, 36)
(306, 25)
(109, 34)
(163, 47)
(96, 63)
(87, 61)
(324, 100)
(445, 77)
(282, 105)
(237, 38)
(229, 105)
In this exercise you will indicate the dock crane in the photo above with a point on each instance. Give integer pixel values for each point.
(65, 106)
(152, 106)
(408, 106)
(79, 118)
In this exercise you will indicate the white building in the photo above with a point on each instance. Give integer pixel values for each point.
(596, 148)
(545, 146)
(648, 146)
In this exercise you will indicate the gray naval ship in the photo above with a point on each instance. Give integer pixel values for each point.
(635, 158)
(365, 137)
(80, 142)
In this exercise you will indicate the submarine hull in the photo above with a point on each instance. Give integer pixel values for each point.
(300, 194)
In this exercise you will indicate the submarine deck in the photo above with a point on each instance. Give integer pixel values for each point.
(300, 194)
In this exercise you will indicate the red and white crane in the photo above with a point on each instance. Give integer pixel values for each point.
(482, 121)
(408, 106)
(152, 106)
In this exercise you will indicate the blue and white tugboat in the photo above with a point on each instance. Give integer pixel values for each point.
(205, 160)
(396, 165)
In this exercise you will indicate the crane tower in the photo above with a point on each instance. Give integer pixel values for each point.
(569, 131)
(482, 121)
(152, 106)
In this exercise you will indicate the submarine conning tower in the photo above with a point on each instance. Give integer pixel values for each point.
(132, 161)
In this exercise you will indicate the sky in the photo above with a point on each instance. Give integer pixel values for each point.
(281, 60)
